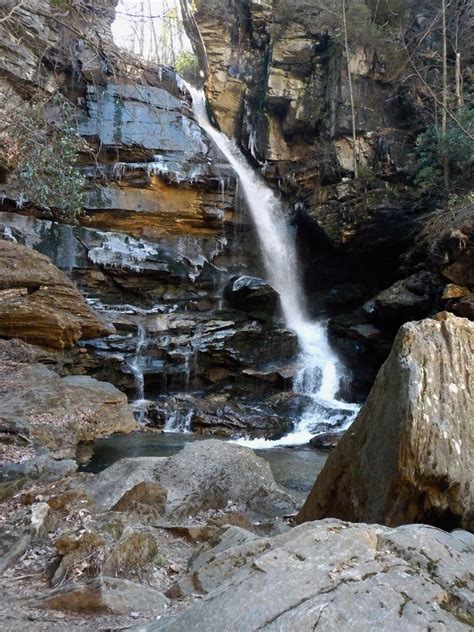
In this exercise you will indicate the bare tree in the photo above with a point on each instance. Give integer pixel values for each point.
(444, 115)
(351, 92)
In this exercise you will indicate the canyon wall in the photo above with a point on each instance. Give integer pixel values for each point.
(277, 79)
(163, 232)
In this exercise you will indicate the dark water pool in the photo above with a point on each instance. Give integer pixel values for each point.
(293, 468)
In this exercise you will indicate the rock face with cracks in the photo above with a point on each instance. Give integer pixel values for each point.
(332, 575)
(409, 455)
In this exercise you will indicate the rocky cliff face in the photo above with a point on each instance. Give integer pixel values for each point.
(162, 234)
(277, 80)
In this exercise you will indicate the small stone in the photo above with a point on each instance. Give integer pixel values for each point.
(454, 291)
(174, 568)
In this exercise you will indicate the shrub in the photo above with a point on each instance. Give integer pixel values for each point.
(431, 149)
(43, 158)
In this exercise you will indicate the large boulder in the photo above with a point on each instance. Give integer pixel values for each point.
(405, 300)
(409, 455)
(251, 294)
(39, 304)
(57, 412)
(205, 476)
(331, 576)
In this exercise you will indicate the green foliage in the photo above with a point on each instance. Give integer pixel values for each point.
(360, 28)
(64, 5)
(187, 65)
(457, 147)
(45, 171)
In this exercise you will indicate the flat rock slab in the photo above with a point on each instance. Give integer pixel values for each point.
(107, 594)
(331, 575)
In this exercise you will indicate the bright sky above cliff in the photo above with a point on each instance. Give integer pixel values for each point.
(151, 28)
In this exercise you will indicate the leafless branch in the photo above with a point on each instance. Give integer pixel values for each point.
(13, 10)
(433, 95)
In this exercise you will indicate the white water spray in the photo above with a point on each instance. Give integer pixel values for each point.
(319, 375)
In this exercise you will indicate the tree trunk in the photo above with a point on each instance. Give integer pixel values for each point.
(351, 93)
(459, 99)
(444, 118)
(154, 38)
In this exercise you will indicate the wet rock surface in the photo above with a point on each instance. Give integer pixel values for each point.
(408, 455)
(253, 295)
(220, 415)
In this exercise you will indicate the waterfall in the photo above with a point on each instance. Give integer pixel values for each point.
(319, 372)
(136, 367)
(179, 422)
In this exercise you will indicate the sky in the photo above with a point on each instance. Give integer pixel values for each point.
(152, 22)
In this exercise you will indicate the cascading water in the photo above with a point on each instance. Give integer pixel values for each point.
(319, 373)
(136, 368)
(179, 422)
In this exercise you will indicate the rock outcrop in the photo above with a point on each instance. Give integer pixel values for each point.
(58, 413)
(40, 304)
(162, 233)
(331, 575)
(409, 455)
(252, 295)
(277, 81)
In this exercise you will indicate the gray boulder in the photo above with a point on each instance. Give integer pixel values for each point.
(206, 475)
(408, 299)
(332, 575)
(409, 456)
(59, 413)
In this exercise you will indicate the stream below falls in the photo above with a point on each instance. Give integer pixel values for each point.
(294, 469)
